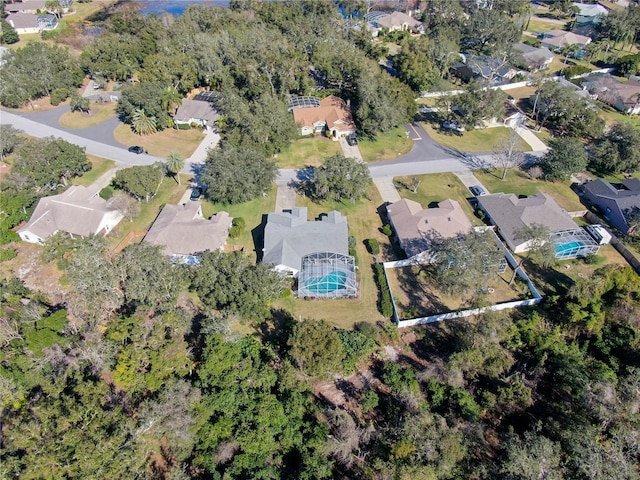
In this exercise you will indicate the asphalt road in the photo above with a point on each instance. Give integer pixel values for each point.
(427, 156)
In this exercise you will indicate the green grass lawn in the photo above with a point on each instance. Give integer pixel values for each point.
(307, 151)
(251, 212)
(100, 166)
(477, 140)
(162, 143)
(611, 116)
(363, 221)
(388, 145)
(540, 25)
(519, 183)
(436, 188)
(99, 114)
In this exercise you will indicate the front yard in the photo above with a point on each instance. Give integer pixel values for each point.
(519, 183)
(100, 112)
(476, 140)
(99, 166)
(436, 188)
(385, 146)
(161, 144)
(307, 152)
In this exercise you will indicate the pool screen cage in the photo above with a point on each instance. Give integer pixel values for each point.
(568, 244)
(327, 275)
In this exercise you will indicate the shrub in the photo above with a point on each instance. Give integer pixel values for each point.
(183, 126)
(386, 306)
(373, 246)
(356, 346)
(237, 227)
(369, 401)
(367, 329)
(576, 70)
(594, 259)
(59, 95)
(7, 254)
(106, 193)
(386, 230)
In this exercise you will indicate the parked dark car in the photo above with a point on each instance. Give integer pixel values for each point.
(136, 149)
(477, 190)
(195, 193)
(352, 140)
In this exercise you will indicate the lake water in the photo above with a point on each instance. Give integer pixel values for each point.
(175, 7)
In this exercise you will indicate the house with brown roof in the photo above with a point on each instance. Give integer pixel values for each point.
(332, 115)
(556, 40)
(79, 211)
(623, 96)
(416, 227)
(399, 21)
(200, 112)
(184, 232)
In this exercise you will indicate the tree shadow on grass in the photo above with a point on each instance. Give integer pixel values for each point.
(421, 300)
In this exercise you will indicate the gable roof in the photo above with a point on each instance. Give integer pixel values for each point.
(23, 20)
(26, 6)
(510, 214)
(78, 210)
(489, 66)
(611, 90)
(534, 55)
(288, 236)
(416, 226)
(332, 110)
(561, 38)
(196, 109)
(626, 198)
(397, 19)
(182, 230)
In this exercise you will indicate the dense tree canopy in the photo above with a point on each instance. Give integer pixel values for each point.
(340, 178)
(235, 175)
(141, 181)
(565, 157)
(618, 151)
(146, 97)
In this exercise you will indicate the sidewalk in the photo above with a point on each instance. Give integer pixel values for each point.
(387, 189)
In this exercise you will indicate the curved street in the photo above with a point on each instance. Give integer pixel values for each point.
(427, 156)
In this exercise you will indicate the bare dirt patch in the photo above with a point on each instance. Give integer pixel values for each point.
(36, 275)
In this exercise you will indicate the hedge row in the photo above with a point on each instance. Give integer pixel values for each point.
(386, 307)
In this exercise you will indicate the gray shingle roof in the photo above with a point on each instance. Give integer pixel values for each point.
(196, 109)
(182, 230)
(626, 198)
(510, 214)
(288, 236)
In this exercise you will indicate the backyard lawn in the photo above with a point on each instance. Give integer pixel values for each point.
(519, 183)
(363, 221)
(436, 188)
(417, 296)
(388, 145)
(307, 151)
(100, 166)
(477, 140)
(161, 144)
(99, 113)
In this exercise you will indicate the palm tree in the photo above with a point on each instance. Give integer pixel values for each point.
(175, 163)
(142, 123)
(567, 51)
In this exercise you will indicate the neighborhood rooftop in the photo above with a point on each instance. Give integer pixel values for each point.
(183, 230)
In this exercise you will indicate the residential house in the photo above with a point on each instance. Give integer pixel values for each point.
(26, 6)
(623, 96)
(65, 5)
(23, 23)
(416, 227)
(534, 58)
(316, 252)
(398, 21)
(200, 112)
(3, 51)
(184, 232)
(616, 202)
(79, 211)
(511, 214)
(556, 40)
(589, 13)
(496, 71)
(331, 114)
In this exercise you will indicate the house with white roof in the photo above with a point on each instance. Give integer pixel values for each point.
(589, 13)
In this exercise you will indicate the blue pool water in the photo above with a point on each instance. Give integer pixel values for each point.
(329, 283)
(565, 247)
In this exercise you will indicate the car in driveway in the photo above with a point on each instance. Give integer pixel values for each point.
(196, 192)
(477, 190)
(136, 149)
(452, 126)
(352, 140)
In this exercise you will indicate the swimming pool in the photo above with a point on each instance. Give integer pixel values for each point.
(327, 283)
(564, 249)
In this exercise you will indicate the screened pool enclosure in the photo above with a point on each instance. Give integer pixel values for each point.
(568, 244)
(327, 275)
